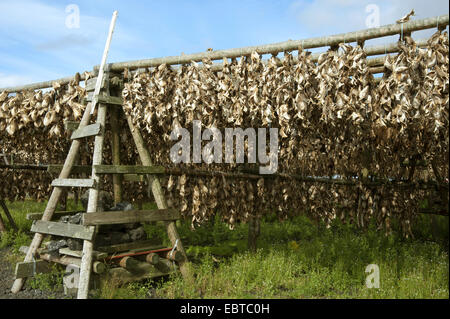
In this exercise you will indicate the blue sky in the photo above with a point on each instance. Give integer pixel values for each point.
(36, 45)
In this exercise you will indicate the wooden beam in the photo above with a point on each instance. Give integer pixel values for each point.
(90, 84)
(97, 255)
(382, 31)
(46, 84)
(87, 131)
(62, 229)
(158, 194)
(106, 99)
(76, 169)
(146, 271)
(63, 260)
(29, 269)
(56, 215)
(152, 258)
(25, 166)
(130, 216)
(115, 148)
(174, 256)
(128, 169)
(73, 182)
(145, 244)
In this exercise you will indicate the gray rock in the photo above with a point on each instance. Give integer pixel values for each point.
(55, 245)
(105, 201)
(137, 234)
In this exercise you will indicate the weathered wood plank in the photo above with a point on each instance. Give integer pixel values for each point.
(105, 99)
(71, 125)
(115, 147)
(62, 229)
(158, 194)
(128, 169)
(73, 182)
(90, 84)
(63, 260)
(29, 269)
(145, 244)
(97, 255)
(130, 216)
(86, 131)
(56, 215)
(76, 169)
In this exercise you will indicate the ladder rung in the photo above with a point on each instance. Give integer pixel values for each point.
(63, 229)
(130, 216)
(86, 131)
(106, 99)
(128, 169)
(72, 182)
(79, 253)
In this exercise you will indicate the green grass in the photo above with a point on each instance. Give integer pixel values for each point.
(295, 259)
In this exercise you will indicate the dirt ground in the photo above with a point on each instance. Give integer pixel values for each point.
(7, 279)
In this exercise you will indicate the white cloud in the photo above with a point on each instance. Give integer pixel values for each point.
(13, 80)
(336, 16)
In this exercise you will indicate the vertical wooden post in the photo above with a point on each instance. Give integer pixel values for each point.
(8, 215)
(159, 198)
(88, 246)
(115, 129)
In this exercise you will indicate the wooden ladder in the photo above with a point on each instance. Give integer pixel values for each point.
(87, 230)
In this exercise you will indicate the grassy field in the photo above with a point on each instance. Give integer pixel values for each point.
(295, 259)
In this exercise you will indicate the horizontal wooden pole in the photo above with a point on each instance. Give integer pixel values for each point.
(174, 256)
(76, 169)
(290, 45)
(130, 216)
(45, 84)
(144, 244)
(145, 271)
(114, 100)
(128, 169)
(96, 255)
(387, 30)
(63, 260)
(62, 229)
(152, 258)
(31, 167)
(138, 253)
